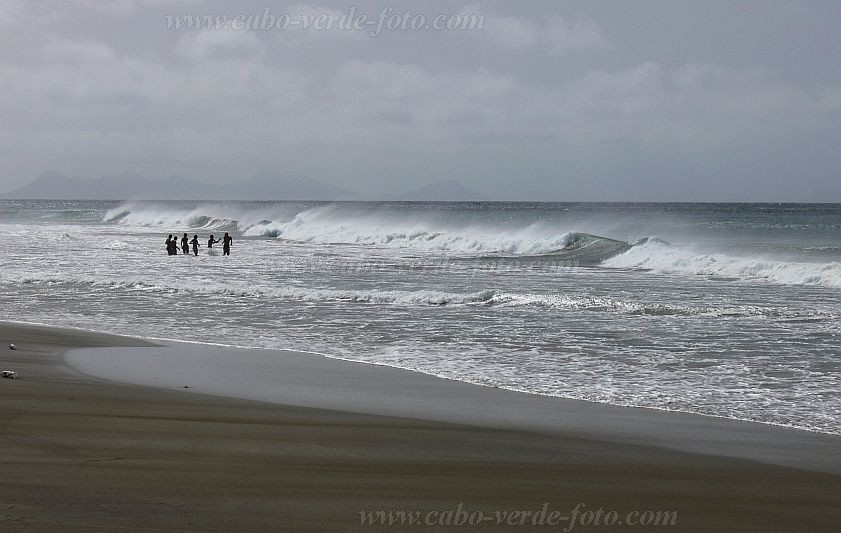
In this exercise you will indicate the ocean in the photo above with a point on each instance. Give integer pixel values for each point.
(727, 310)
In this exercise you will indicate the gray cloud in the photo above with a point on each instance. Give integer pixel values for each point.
(551, 101)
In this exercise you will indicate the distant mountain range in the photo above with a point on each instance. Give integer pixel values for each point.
(266, 186)
(52, 185)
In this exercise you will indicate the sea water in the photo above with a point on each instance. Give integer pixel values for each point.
(721, 309)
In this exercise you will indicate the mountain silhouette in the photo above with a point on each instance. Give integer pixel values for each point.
(52, 185)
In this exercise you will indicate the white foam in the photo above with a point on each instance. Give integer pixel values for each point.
(487, 297)
(205, 216)
(665, 259)
(328, 224)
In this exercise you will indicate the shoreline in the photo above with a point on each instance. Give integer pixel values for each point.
(289, 378)
(159, 342)
(627, 415)
(80, 453)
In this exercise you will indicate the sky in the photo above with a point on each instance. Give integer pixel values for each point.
(661, 100)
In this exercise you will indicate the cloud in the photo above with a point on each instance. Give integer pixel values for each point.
(380, 96)
(232, 94)
(75, 51)
(209, 43)
(88, 85)
(582, 32)
(126, 7)
(554, 34)
(695, 105)
(318, 23)
(118, 96)
(512, 32)
(10, 12)
(692, 105)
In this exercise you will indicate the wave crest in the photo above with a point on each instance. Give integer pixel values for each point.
(368, 227)
(660, 257)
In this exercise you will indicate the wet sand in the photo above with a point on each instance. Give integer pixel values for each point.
(81, 453)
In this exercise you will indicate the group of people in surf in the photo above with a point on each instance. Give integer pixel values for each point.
(172, 244)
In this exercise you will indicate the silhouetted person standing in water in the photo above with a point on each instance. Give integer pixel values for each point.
(170, 245)
(195, 243)
(211, 241)
(184, 248)
(226, 244)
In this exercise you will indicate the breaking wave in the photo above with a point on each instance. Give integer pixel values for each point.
(384, 228)
(660, 257)
(492, 235)
(170, 217)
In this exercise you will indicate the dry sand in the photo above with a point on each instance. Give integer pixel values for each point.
(79, 453)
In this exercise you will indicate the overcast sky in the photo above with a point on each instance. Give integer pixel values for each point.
(592, 100)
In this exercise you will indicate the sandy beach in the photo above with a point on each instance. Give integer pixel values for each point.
(85, 453)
